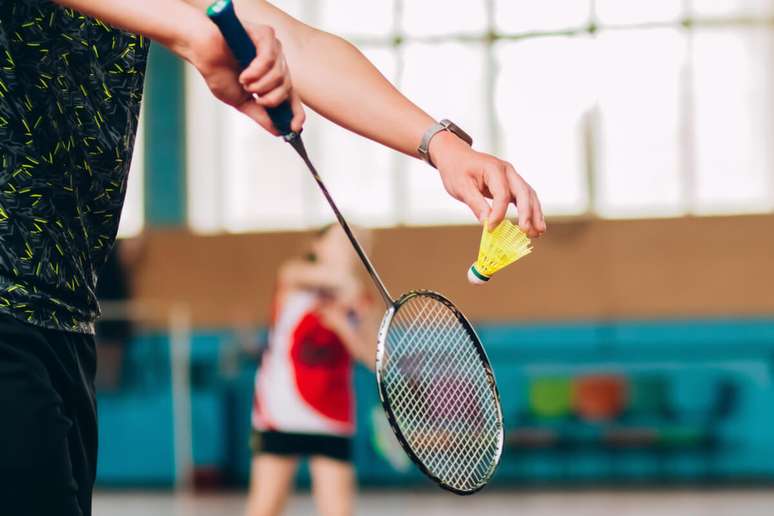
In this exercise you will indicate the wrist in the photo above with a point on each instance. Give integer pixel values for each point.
(195, 39)
(443, 145)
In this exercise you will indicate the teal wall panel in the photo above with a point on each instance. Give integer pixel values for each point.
(714, 423)
(164, 112)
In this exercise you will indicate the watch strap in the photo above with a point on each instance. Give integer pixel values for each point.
(444, 125)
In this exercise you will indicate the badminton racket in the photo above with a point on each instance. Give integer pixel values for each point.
(435, 381)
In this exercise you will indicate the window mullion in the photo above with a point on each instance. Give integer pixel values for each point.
(399, 172)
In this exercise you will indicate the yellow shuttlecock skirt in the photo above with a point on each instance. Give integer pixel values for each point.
(499, 248)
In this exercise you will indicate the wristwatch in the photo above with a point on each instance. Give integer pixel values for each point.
(443, 125)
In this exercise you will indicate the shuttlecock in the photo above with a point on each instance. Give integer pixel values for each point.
(499, 248)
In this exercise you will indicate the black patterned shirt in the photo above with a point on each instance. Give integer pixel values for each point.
(70, 91)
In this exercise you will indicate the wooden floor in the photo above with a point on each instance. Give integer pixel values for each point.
(493, 503)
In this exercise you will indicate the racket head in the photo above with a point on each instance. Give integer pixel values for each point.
(439, 392)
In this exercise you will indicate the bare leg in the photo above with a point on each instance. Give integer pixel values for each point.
(271, 479)
(333, 486)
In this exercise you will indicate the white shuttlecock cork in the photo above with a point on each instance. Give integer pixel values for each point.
(475, 277)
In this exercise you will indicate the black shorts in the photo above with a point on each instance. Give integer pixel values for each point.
(48, 421)
(306, 445)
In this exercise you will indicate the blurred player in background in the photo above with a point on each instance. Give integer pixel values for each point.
(304, 406)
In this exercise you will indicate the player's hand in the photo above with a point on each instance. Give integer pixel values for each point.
(267, 76)
(473, 177)
(336, 316)
(347, 290)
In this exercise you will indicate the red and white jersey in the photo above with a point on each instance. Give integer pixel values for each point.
(304, 384)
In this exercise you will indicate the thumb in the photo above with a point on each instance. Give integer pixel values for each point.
(299, 117)
(258, 114)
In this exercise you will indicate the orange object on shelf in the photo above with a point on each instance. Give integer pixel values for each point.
(600, 397)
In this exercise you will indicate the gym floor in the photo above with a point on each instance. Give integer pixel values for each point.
(757, 502)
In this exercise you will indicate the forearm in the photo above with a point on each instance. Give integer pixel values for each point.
(303, 275)
(348, 90)
(169, 22)
(336, 80)
(296, 275)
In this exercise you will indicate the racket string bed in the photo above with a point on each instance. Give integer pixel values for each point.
(440, 394)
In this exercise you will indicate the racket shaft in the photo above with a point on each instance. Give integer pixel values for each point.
(223, 14)
(298, 145)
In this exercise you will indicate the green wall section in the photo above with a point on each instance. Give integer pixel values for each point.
(165, 164)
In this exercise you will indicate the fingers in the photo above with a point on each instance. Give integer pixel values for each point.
(522, 194)
(267, 76)
(470, 177)
(273, 88)
(538, 220)
(268, 80)
(471, 196)
(268, 51)
(273, 79)
(275, 97)
(498, 187)
(257, 113)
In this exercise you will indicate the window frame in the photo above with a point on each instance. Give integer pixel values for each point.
(492, 35)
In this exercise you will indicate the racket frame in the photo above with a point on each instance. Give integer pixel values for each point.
(384, 398)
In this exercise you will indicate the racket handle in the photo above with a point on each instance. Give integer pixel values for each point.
(222, 13)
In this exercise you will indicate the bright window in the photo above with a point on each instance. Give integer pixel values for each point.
(734, 126)
(543, 122)
(617, 108)
(132, 217)
(639, 131)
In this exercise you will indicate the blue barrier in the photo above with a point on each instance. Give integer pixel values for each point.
(698, 406)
